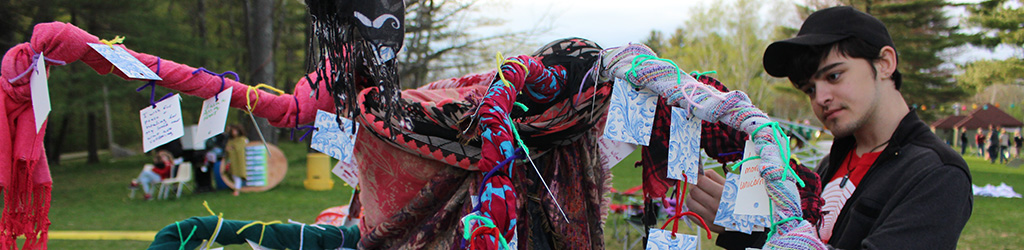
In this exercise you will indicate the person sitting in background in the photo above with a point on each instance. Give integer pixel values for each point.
(161, 168)
(236, 155)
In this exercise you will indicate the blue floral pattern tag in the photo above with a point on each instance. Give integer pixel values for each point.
(128, 64)
(726, 216)
(684, 146)
(663, 240)
(630, 114)
(331, 139)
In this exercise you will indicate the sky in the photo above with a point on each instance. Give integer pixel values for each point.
(607, 22)
(617, 22)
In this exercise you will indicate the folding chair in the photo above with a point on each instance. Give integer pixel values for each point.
(182, 177)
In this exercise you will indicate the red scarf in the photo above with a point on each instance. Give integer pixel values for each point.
(24, 173)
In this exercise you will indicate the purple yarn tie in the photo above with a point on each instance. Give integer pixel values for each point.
(152, 83)
(221, 75)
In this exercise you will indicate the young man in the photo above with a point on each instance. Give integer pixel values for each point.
(889, 182)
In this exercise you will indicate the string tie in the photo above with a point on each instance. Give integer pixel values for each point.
(486, 228)
(186, 239)
(32, 67)
(679, 210)
(264, 224)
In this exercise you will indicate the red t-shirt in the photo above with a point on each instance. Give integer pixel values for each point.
(841, 187)
(164, 172)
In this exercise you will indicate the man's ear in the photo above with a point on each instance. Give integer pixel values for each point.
(886, 63)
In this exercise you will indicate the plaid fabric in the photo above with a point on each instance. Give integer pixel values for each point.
(654, 156)
(810, 194)
(721, 142)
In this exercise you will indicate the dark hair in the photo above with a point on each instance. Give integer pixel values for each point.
(806, 63)
(234, 127)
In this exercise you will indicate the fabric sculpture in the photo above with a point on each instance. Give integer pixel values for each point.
(468, 149)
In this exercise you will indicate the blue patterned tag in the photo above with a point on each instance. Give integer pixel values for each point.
(329, 138)
(684, 146)
(726, 216)
(630, 114)
(128, 64)
(663, 240)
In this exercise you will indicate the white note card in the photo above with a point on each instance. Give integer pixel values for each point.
(612, 152)
(348, 171)
(40, 92)
(214, 116)
(752, 196)
(161, 124)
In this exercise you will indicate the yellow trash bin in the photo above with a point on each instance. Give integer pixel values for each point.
(318, 172)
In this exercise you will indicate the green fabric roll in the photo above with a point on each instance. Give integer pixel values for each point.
(276, 236)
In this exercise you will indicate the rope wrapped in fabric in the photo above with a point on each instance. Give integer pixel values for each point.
(190, 233)
(497, 201)
(639, 66)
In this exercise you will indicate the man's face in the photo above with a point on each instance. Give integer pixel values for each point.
(844, 93)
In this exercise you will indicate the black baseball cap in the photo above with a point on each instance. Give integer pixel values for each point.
(823, 27)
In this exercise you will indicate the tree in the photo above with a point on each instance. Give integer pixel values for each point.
(922, 33)
(439, 41)
(734, 47)
(260, 38)
(1000, 25)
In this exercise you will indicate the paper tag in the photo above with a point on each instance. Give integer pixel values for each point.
(255, 246)
(663, 240)
(735, 222)
(684, 146)
(256, 166)
(752, 196)
(348, 172)
(214, 115)
(330, 139)
(630, 114)
(40, 92)
(128, 64)
(612, 152)
(202, 246)
(162, 124)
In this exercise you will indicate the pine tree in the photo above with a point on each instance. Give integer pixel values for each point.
(1000, 25)
(921, 32)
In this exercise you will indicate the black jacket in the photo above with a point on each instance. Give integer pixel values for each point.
(917, 195)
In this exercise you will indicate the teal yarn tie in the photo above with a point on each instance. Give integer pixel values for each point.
(467, 232)
(775, 225)
(697, 74)
(182, 247)
(641, 59)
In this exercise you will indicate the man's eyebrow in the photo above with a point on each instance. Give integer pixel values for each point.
(822, 70)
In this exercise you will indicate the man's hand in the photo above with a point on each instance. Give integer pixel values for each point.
(703, 199)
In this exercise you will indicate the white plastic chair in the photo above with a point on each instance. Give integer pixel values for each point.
(182, 177)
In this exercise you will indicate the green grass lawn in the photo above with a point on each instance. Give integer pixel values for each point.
(95, 197)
